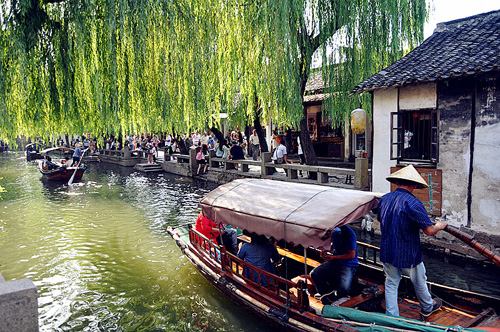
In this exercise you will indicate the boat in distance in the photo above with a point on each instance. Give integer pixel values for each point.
(60, 171)
(301, 218)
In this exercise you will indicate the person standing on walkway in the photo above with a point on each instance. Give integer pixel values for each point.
(254, 141)
(402, 216)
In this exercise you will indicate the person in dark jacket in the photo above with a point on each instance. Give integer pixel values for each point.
(401, 217)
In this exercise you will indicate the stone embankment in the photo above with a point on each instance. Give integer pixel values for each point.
(18, 305)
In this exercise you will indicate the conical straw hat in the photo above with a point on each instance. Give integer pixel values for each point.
(408, 173)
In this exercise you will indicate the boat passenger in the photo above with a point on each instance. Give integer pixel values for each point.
(207, 227)
(48, 164)
(334, 277)
(401, 216)
(260, 253)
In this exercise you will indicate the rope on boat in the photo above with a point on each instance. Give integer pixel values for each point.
(427, 324)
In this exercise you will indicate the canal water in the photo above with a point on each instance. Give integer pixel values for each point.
(100, 255)
(102, 260)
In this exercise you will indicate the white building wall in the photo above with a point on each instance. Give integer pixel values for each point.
(384, 102)
(415, 97)
(485, 189)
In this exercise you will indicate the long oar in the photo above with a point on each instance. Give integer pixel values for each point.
(70, 182)
(491, 256)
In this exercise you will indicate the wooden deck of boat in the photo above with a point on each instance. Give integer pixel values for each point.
(410, 309)
(407, 308)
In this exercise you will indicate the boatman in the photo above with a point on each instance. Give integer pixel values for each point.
(334, 277)
(402, 216)
(77, 154)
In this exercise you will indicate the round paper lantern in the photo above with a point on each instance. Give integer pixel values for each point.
(358, 120)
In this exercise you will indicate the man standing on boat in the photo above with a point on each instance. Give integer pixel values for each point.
(402, 216)
(77, 154)
(334, 277)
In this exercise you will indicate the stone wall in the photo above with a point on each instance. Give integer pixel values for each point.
(18, 305)
(469, 149)
(455, 105)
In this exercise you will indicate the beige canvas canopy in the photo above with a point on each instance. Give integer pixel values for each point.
(299, 213)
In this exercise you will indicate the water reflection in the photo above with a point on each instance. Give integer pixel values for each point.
(102, 260)
(100, 256)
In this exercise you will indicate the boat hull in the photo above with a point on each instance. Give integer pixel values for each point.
(63, 174)
(33, 156)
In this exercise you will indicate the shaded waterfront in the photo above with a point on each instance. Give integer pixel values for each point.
(102, 260)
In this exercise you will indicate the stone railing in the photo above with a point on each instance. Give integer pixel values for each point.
(321, 173)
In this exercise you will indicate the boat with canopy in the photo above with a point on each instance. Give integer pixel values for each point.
(58, 169)
(33, 151)
(301, 219)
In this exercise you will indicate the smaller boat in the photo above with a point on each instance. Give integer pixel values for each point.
(59, 171)
(32, 151)
(4, 147)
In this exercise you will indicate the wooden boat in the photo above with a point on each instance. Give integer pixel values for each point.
(62, 174)
(32, 152)
(301, 217)
(60, 171)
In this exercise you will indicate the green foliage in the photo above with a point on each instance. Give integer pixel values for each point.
(100, 66)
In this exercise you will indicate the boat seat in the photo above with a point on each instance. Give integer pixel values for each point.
(361, 298)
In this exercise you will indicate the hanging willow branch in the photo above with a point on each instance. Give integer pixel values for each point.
(101, 66)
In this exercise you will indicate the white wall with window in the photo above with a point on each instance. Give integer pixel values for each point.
(406, 130)
(385, 102)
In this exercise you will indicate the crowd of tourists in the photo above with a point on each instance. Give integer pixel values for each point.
(235, 145)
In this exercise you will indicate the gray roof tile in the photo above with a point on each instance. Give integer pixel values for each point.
(459, 48)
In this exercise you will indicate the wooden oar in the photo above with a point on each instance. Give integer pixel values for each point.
(70, 182)
(491, 256)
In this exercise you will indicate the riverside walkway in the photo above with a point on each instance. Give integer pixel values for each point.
(225, 170)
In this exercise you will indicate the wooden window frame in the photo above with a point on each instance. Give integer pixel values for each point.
(397, 136)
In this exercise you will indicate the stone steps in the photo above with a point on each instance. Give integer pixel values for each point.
(149, 168)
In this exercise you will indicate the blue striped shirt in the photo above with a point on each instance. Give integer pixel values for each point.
(401, 216)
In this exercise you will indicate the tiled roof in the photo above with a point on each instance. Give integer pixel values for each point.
(316, 97)
(315, 82)
(459, 48)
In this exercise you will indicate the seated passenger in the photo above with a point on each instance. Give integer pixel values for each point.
(48, 164)
(212, 230)
(207, 227)
(334, 277)
(260, 253)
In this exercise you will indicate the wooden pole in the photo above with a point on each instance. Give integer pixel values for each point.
(491, 256)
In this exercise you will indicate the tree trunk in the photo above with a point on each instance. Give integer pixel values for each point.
(257, 126)
(288, 140)
(182, 146)
(306, 143)
(218, 134)
(305, 138)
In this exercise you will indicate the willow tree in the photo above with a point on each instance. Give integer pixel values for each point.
(268, 48)
(118, 66)
(100, 66)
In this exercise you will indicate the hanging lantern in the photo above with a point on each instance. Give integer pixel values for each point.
(358, 120)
